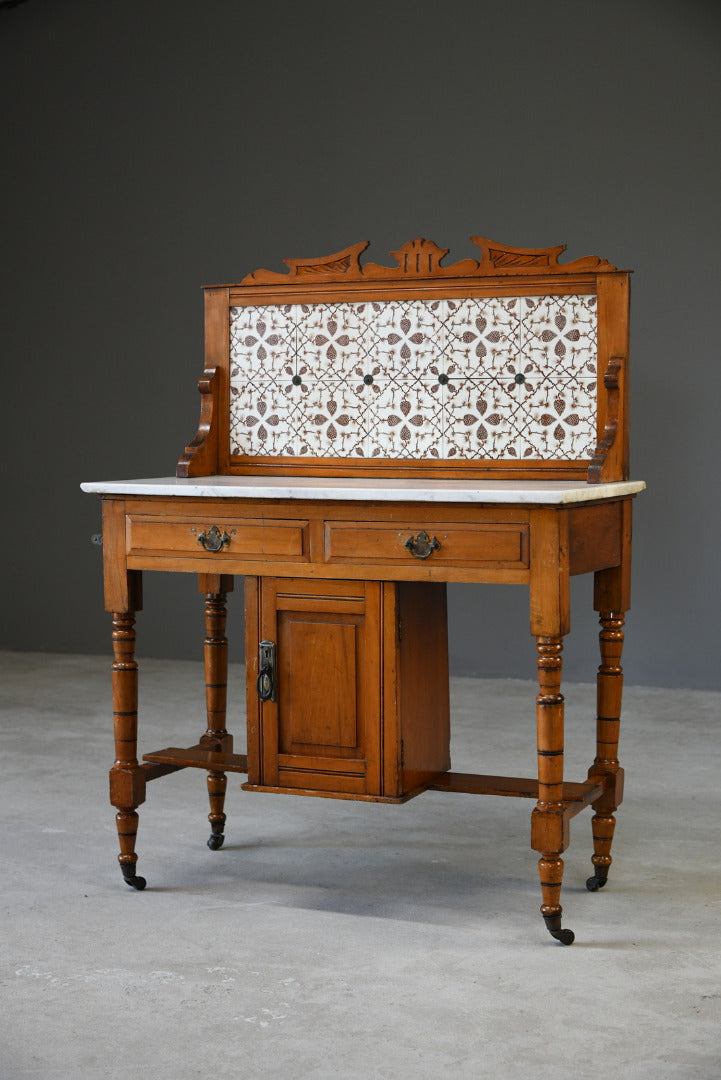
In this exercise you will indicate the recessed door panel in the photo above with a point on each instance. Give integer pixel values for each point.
(317, 684)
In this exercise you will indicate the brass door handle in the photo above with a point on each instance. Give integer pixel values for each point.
(422, 545)
(213, 539)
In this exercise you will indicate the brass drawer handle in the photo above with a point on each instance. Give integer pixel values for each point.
(213, 539)
(422, 545)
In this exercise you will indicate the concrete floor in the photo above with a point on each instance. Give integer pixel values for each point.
(333, 939)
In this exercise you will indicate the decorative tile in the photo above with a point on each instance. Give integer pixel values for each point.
(463, 379)
(558, 333)
(406, 421)
(262, 342)
(263, 423)
(485, 419)
(410, 337)
(482, 336)
(558, 422)
(334, 420)
(335, 341)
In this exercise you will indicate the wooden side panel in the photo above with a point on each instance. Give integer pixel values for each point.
(252, 636)
(611, 461)
(594, 537)
(424, 700)
(550, 575)
(122, 587)
(208, 453)
(612, 587)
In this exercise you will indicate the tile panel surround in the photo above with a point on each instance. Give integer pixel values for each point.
(474, 378)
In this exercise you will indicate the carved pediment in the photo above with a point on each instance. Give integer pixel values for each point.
(422, 258)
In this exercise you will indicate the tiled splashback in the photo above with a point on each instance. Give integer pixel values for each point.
(498, 377)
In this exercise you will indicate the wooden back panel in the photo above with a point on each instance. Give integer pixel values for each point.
(509, 366)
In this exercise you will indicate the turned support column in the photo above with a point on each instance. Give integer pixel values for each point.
(609, 691)
(612, 599)
(549, 825)
(127, 781)
(550, 622)
(215, 588)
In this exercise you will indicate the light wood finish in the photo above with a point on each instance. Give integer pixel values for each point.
(208, 452)
(549, 824)
(612, 454)
(361, 702)
(197, 757)
(498, 546)
(606, 764)
(419, 273)
(247, 538)
(352, 592)
(215, 588)
(123, 587)
(127, 781)
(347, 574)
(612, 598)
(423, 259)
(423, 707)
(350, 540)
(575, 796)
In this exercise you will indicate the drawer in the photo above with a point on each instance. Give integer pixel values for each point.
(500, 545)
(218, 538)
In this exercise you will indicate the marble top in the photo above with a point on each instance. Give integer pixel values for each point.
(384, 489)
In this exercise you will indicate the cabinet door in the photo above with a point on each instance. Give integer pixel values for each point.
(322, 731)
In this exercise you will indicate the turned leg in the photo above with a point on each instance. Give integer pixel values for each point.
(609, 691)
(549, 825)
(215, 588)
(127, 781)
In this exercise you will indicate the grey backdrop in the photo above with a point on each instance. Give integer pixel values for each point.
(150, 148)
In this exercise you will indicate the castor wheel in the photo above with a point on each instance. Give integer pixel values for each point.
(131, 878)
(215, 841)
(596, 881)
(553, 925)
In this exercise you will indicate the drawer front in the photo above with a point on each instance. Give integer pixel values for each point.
(218, 539)
(501, 545)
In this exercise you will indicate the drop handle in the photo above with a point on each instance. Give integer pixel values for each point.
(422, 545)
(213, 539)
(265, 684)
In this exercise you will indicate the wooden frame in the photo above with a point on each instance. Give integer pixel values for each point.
(419, 274)
(352, 578)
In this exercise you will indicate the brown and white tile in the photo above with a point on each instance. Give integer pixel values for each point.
(406, 421)
(262, 342)
(558, 334)
(481, 336)
(410, 339)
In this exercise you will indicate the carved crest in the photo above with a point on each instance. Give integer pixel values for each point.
(421, 258)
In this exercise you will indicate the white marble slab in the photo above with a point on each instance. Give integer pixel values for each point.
(360, 488)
